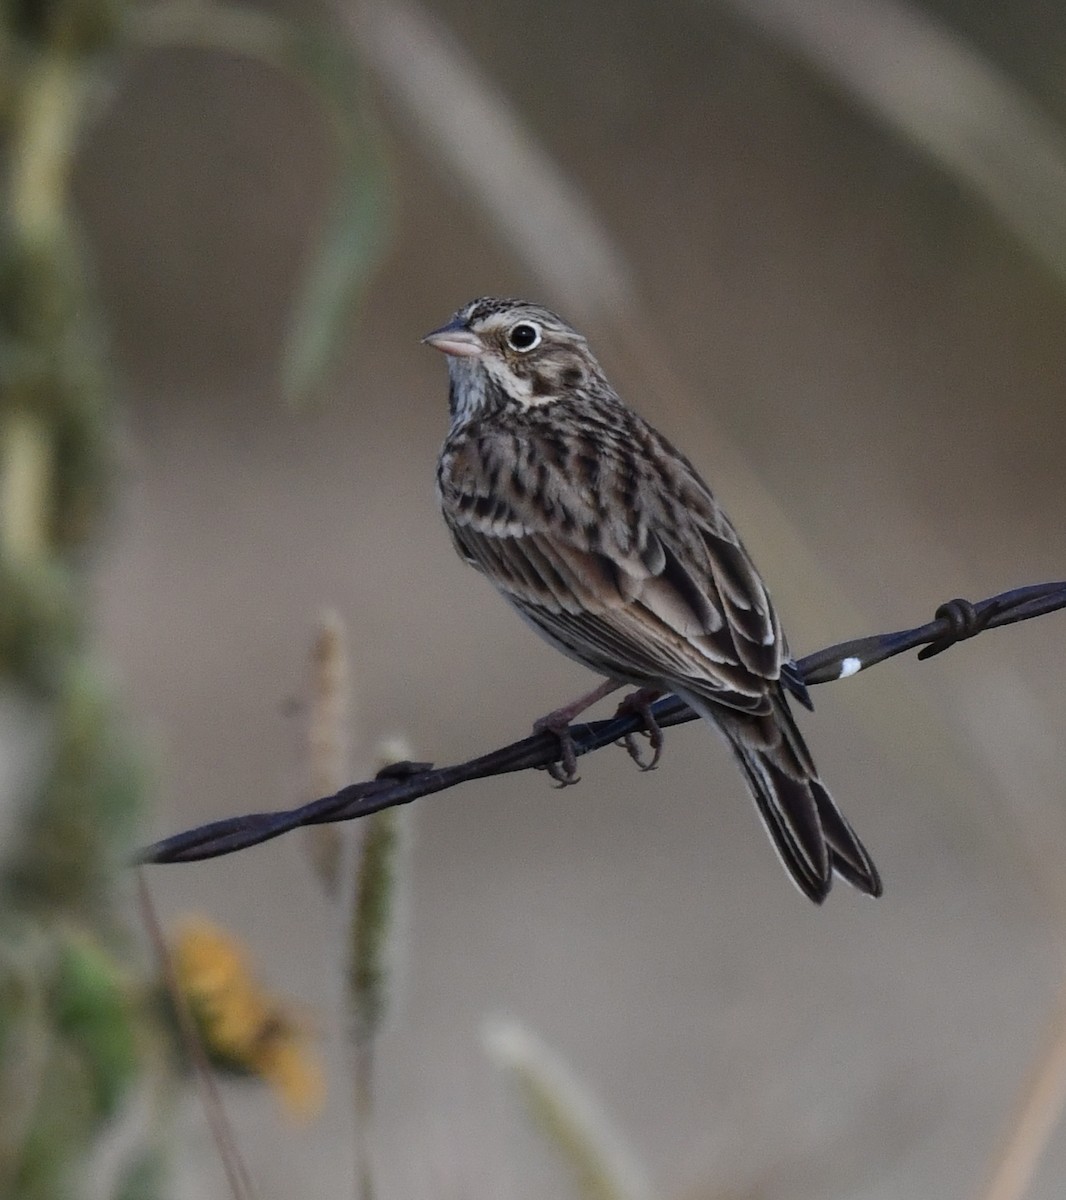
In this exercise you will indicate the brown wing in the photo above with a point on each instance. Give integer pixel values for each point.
(635, 572)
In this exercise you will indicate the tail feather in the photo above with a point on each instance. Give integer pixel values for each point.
(789, 812)
(809, 832)
(849, 857)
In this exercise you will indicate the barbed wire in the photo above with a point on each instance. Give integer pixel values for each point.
(402, 783)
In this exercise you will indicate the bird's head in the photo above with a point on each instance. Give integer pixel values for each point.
(511, 354)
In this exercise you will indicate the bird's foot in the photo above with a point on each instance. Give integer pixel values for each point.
(564, 769)
(639, 703)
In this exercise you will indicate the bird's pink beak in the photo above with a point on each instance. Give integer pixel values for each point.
(455, 339)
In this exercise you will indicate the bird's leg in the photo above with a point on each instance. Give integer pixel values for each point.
(558, 721)
(640, 703)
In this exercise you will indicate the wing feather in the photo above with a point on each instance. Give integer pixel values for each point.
(637, 574)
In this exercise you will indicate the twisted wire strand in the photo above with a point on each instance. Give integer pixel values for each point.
(954, 621)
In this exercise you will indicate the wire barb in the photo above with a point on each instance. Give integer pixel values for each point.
(955, 621)
(964, 621)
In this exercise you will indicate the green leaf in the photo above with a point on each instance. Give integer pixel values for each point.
(356, 227)
(348, 250)
(600, 1163)
(94, 1017)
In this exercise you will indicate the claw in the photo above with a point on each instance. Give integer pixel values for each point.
(655, 741)
(564, 769)
(639, 703)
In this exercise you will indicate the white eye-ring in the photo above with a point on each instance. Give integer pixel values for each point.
(524, 336)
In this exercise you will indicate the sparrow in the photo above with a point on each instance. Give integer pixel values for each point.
(608, 542)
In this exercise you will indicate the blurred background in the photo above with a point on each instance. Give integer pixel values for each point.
(822, 246)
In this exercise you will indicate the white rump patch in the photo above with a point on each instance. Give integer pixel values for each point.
(849, 666)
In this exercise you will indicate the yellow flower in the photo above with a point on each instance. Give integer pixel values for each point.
(283, 1061)
(245, 1028)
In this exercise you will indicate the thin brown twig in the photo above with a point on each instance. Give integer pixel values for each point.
(238, 1176)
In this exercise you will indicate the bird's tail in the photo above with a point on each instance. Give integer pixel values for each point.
(808, 830)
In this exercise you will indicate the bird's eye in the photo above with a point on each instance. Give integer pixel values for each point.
(523, 336)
